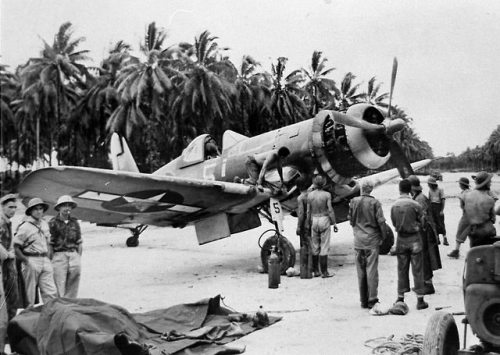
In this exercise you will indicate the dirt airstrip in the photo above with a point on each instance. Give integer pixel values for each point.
(320, 316)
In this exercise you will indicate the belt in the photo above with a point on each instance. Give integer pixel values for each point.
(319, 215)
(35, 254)
(64, 250)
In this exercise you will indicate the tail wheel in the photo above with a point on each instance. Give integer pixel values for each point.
(286, 253)
(388, 241)
(132, 241)
(441, 335)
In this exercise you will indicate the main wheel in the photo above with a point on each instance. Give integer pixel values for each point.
(132, 241)
(388, 241)
(441, 335)
(286, 253)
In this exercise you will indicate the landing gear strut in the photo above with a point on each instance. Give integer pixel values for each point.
(133, 241)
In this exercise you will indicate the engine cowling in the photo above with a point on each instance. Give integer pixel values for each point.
(343, 151)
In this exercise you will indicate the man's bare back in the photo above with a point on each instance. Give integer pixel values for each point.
(320, 203)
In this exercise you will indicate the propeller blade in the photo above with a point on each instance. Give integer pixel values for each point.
(393, 81)
(400, 160)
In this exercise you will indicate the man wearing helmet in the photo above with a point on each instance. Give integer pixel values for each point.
(66, 248)
(31, 247)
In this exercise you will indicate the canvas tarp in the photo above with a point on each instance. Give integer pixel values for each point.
(88, 327)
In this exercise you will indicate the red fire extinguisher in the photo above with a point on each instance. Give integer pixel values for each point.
(274, 269)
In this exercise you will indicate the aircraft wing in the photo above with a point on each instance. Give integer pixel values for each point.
(385, 176)
(111, 197)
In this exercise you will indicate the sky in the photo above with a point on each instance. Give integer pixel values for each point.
(448, 50)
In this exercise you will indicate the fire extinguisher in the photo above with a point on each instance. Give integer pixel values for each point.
(274, 269)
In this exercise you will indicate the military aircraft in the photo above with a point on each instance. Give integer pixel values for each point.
(199, 186)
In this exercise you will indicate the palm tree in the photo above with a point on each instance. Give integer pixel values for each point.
(320, 89)
(50, 82)
(205, 100)
(348, 92)
(251, 100)
(9, 82)
(95, 107)
(287, 106)
(492, 148)
(372, 95)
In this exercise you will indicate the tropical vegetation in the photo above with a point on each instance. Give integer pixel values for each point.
(163, 95)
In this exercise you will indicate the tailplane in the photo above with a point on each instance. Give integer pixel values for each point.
(120, 155)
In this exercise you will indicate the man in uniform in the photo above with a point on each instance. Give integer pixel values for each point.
(463, 228)
(7, 286)
(479, 209)
(406, 216)
(66, 248)
(321, 216)
(368, 222)
(31, 247)
(437, 199)
(430, 249)
(9, 271)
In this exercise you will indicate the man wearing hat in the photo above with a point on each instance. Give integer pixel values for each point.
(479, 210)
(437, 199)
(368, 223)
(31, 246)
(9, 270)
(463, 228)
(430, 249)
(8, 286)
(66, 245)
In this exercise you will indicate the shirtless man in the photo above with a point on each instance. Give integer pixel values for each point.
(257, 173)
(321, 216)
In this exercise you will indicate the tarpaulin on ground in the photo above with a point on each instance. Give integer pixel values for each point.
(88, 327)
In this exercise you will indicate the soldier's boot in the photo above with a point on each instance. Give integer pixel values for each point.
(315, 265)
(323, 262)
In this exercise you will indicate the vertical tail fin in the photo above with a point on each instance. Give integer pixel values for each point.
(120, 155)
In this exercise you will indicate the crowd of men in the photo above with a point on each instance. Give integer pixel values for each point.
(418, 220)
(39, 259)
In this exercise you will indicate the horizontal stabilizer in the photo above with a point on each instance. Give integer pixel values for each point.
(120, 155)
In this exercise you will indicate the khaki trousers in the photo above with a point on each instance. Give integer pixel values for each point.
(67, 268)
(38, 271)
(4, 321)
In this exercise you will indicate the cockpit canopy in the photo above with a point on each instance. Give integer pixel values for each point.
(200, 149)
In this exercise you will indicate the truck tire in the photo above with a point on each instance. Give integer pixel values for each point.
(286, 253)
(388, 242)
(441, 335)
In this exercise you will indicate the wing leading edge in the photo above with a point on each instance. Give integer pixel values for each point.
(117, 197)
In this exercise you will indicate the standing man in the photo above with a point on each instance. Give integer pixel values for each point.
(308, 265)
(406, 216)
(321, 216)
(368, 222)
(8, 210)
(430, 249)
(463, 228)
(479, 209)
(31, 247)
(9, 270)
(437, 199)
(66, 248)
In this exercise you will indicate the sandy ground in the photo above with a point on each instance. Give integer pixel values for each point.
(320, 316)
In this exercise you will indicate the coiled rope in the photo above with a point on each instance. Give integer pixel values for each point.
(406, 345)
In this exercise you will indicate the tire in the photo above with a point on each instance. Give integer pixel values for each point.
(388, 242)
(286, 253)
(132, 242)
(441, 335)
